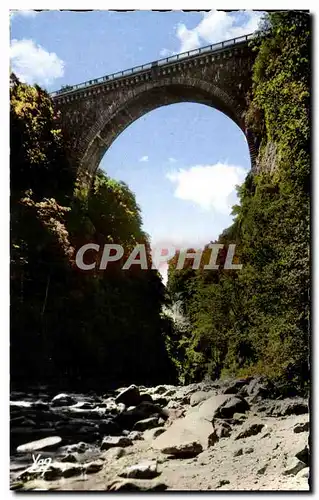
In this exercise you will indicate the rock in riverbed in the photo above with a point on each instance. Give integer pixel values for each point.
(130, 396)
(145, 470)
(52, 442)
(115, 441)
(136, 486)
(63, 400)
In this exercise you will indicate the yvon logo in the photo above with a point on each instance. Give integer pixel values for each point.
(40, 463)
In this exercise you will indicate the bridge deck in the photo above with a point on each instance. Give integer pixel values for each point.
(166, 61)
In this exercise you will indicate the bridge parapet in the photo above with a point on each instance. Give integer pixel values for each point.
(146, 68)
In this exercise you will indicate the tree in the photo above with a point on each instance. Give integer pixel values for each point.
(257, 320)
(70, 326)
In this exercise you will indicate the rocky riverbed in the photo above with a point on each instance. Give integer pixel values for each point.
(227, 435)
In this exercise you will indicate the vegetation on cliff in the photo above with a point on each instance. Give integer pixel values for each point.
(257, 320)
(68, 324)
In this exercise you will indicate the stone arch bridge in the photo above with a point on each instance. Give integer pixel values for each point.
(94, 113)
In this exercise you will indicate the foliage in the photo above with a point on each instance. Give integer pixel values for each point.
(257, 320)
(67, 325)
(37, 154)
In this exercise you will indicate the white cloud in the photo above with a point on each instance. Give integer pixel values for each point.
(144, 158)
(24, 13)
(166, 53)
(33, 64)
(212, 187)
(217, 26)
(172, 160)
(189, 38)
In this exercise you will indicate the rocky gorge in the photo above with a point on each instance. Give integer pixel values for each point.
(230, 435)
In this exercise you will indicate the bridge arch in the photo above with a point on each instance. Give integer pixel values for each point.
(114, 119)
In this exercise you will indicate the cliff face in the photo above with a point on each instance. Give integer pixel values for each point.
(267, 159)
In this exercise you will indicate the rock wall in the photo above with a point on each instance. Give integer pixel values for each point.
(267, 159)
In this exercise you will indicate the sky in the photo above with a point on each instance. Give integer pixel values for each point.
(182, 161)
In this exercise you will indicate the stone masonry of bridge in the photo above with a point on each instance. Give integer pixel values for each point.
(93, 116)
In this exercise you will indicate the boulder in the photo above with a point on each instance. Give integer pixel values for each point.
(110, 427)
(233, 405)
(93, 467)
(145, 470)
(235, 387)
(160, 389)
(121, 407)
(147, 423)
(184, 449)
(303, 455)
(20, 404)
(174, 413)
(146, 397)
(301, 427)
(69, 457)
(303, 473)
(113, 453)
(258, 388)
(296, 406)
(293, 467)
(151, 434)
(128, 418)
(240, 416)
(223, 429)
(174, 405)
(135, 435)
(213, 438)
(251, 429)
(83, 405)
(195, 427)
(129, 397)
(110, 405)
(94, 414)
(52, 442)
(199, 396)
(136, 485)
(209, 409)
(80, 447)
(62, 469)
(115, 441)
(169, 393)
(63, 400)
(160, 400)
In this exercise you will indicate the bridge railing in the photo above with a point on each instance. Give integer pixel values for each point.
(161, 62)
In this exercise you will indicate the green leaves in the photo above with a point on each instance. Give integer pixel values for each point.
(256, 321)
(65, 323)
(38, 159)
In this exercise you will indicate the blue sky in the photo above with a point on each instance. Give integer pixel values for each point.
(182, 161)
